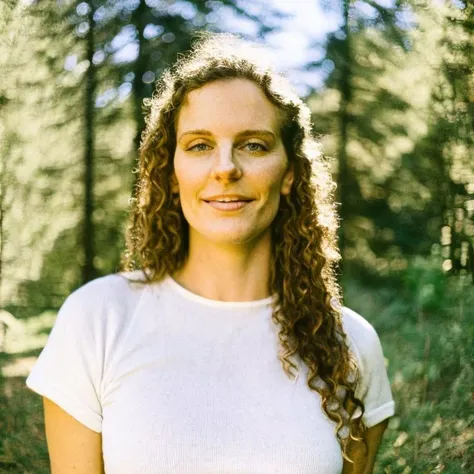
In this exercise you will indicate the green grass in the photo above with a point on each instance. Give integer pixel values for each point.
(23, 448)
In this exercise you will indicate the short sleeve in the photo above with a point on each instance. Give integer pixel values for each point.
(374, 387)
(69, 369)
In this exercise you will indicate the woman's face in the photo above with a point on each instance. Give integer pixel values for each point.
(229, 144)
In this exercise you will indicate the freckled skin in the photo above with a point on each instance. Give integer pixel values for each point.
(224, 163)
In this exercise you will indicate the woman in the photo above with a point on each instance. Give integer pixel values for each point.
(188, 360)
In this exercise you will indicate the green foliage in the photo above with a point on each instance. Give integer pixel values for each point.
(45, 122)
(424, 319)
(396, 112)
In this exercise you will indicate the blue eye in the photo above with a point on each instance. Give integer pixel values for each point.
(195, 147)
(256, 147)
(253, 147)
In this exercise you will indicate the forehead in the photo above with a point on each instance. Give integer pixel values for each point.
(228, 105)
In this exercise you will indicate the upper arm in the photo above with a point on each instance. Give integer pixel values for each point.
(364, 461)
(72, 446)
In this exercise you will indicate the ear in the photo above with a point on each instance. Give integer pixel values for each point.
(287, 181)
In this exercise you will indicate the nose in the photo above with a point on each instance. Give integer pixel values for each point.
(225, 166)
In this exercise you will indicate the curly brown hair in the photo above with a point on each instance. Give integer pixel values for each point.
(307, 308)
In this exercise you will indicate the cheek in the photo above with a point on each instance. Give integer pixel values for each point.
(186, 176)
(270, 180)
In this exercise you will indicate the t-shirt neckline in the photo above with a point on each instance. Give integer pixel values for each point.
(172, 284)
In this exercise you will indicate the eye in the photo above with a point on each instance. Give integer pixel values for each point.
(256, 147)
(199, 147)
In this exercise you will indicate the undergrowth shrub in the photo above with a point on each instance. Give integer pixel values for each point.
(425, 322)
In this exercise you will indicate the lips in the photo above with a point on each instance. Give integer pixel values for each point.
(228, 206)
(227, 198)
(233, 200)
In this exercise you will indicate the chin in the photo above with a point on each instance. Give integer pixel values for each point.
(230, 239)
(232, 236)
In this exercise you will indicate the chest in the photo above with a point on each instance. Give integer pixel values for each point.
(213, 405)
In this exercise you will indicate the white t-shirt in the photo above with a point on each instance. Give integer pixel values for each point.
(177, 383)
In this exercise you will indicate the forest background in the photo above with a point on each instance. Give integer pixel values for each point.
(391, 89)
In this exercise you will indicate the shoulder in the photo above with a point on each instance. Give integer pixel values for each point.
(373, 387)
(106, 301)
(356, 326)
(115, 287)
(362, 337)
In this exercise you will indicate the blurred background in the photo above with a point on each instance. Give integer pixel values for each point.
(390, 84)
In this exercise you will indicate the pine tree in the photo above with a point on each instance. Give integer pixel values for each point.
(400, 99)
(91, 64)
(451, 138)
(353, 111)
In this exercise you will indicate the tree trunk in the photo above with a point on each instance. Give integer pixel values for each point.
(2, 214)
(89, 271)
(344, 119)
(140, 67)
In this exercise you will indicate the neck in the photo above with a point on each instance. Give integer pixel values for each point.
(237, 272)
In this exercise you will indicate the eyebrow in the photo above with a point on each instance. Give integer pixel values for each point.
(243, 134)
